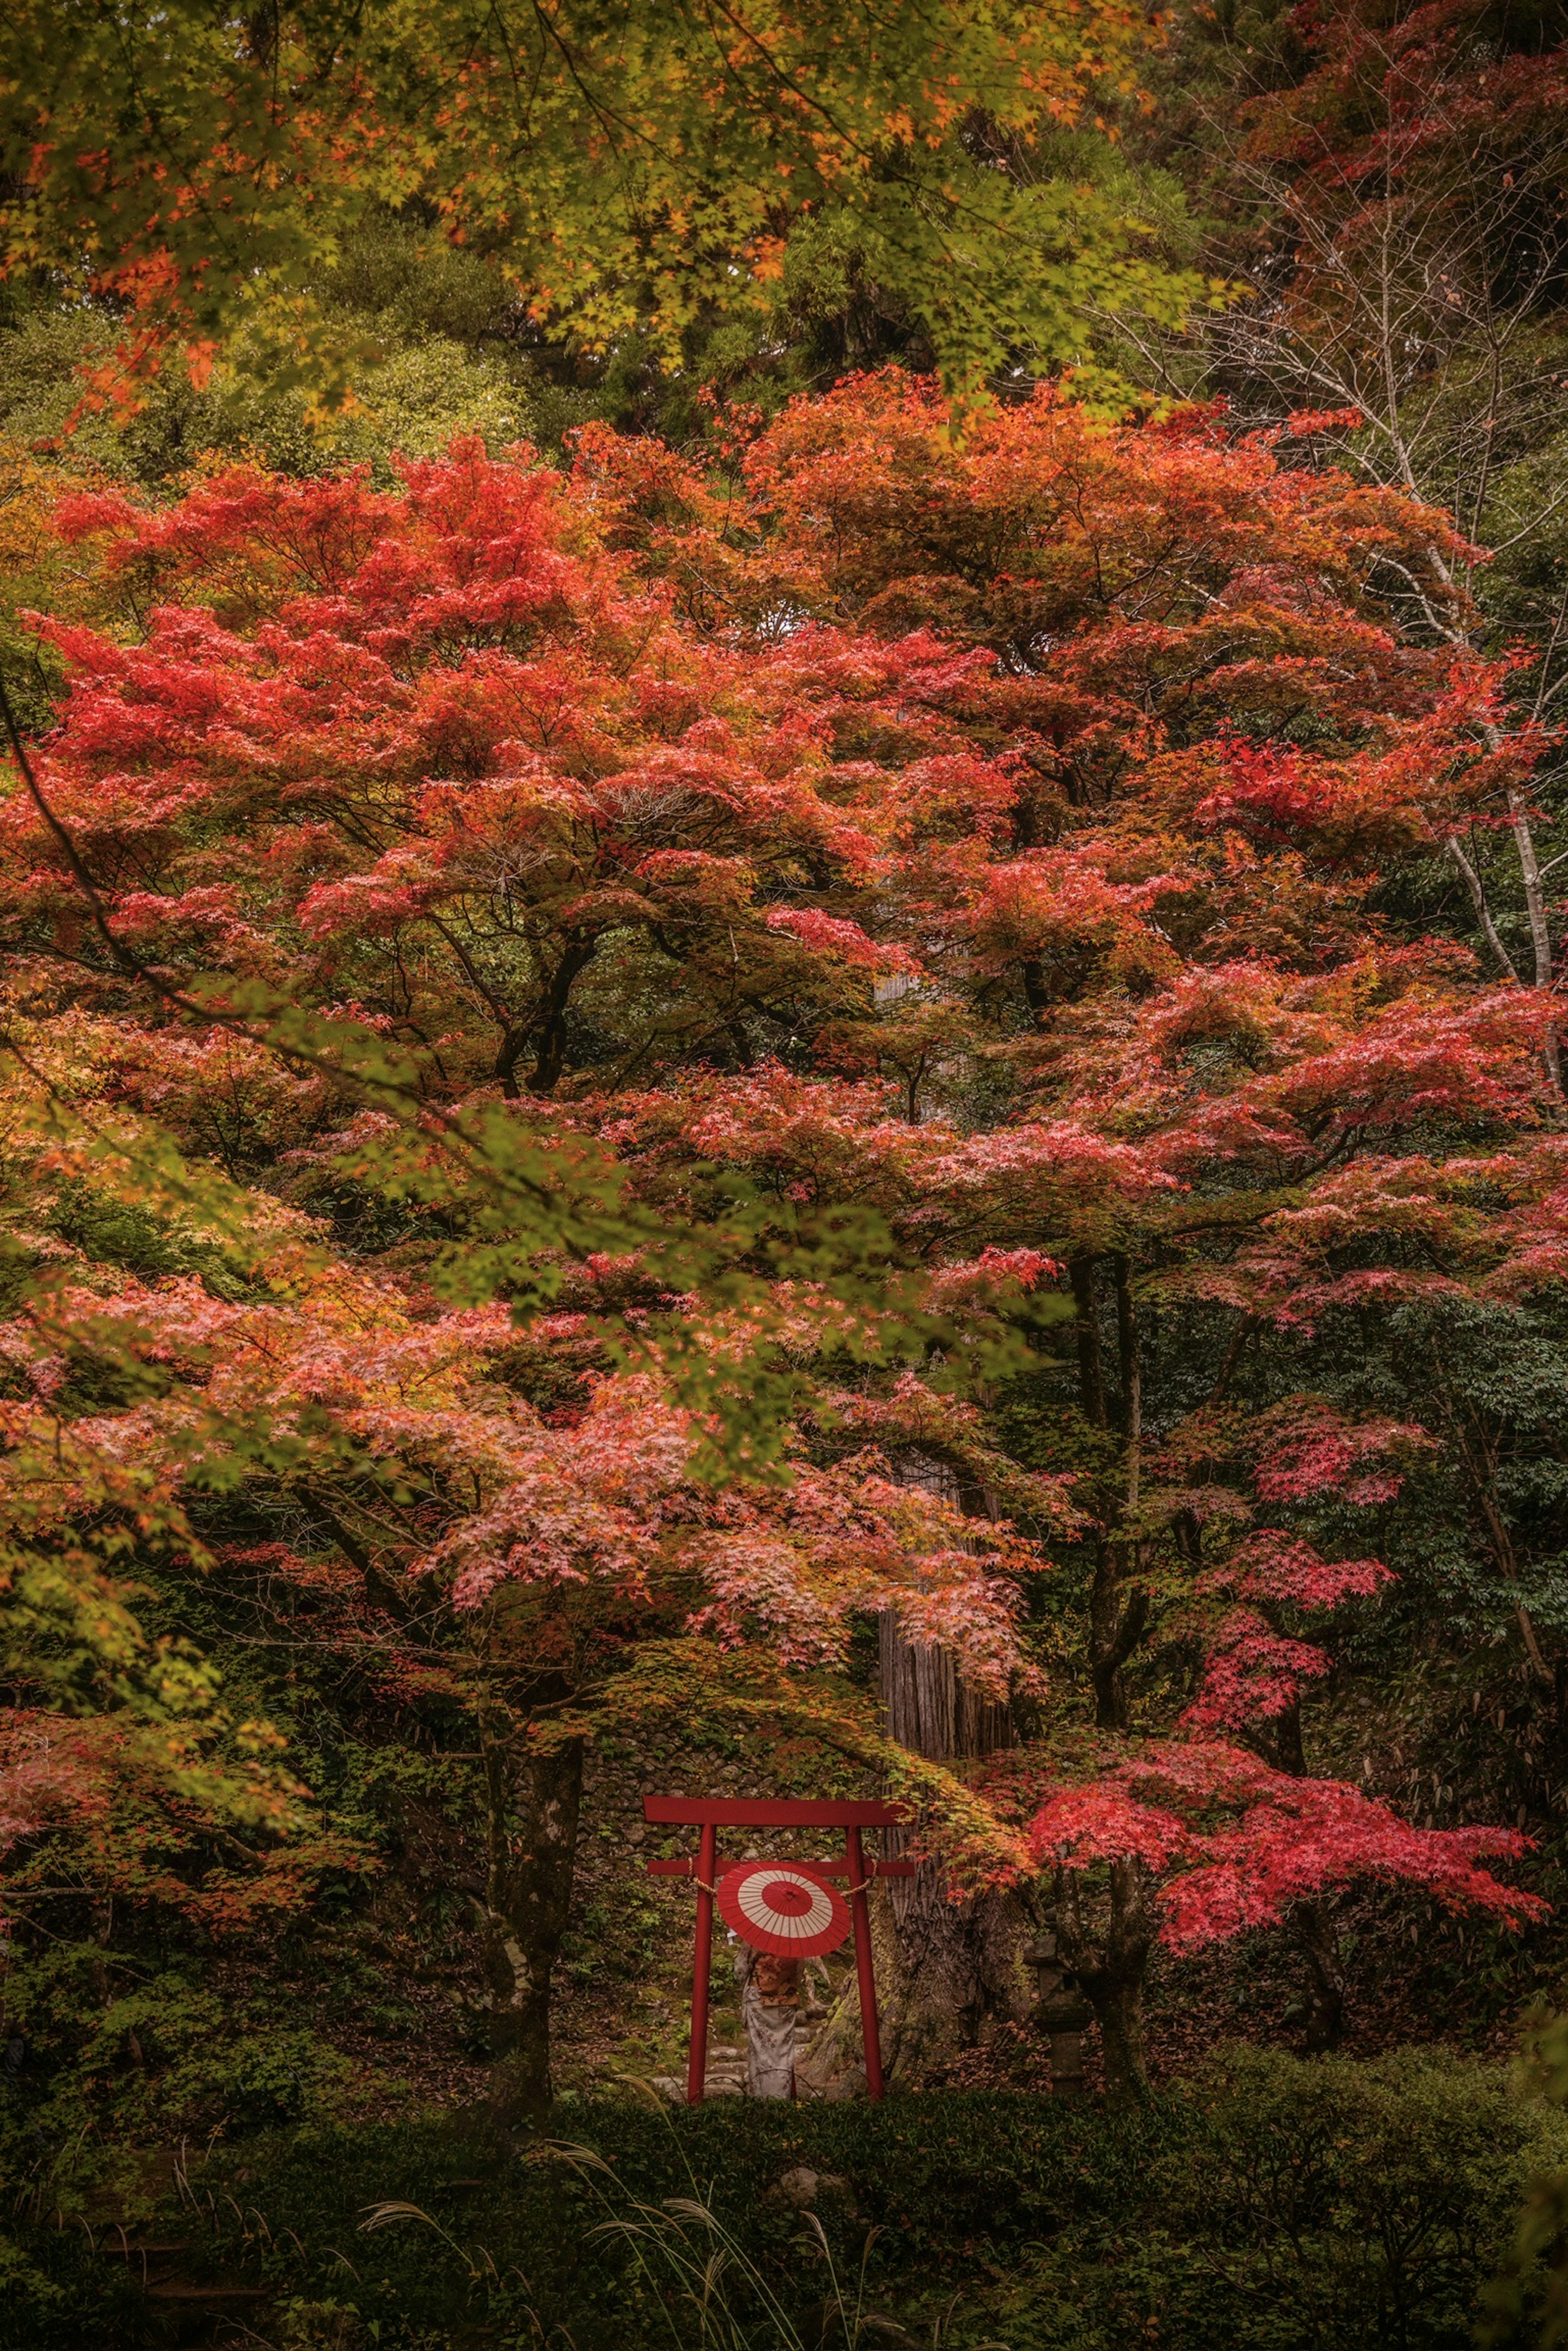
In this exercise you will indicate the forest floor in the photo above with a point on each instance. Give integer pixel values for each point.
(611, 2029)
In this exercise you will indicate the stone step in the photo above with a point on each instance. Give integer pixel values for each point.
(726, 2072)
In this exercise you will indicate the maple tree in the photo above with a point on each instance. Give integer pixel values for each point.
(1202, 1142)
(794, 974)
(1392, 187)
(622, 167)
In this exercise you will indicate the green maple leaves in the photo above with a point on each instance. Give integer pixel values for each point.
(625, 168)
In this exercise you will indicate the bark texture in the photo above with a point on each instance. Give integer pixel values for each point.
(958, 1967)
(1110, 1956)
(946, 1972)
(534, 1800)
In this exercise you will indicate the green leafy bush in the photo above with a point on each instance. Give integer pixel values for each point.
(1271, 2204)
(1319, 2205)
(57, 2294)
(168, 2059)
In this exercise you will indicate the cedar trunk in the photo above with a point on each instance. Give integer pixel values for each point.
(958, 1966)
(945, 1970)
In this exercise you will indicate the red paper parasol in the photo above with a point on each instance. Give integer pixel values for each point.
(776, 1905)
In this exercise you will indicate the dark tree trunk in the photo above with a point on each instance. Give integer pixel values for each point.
(1311, 1924)
(1110, 1956)
(1118, 1605)
(1117, 2003)
(545, 1075)
(1110, 1963)
(533, 1798)
(1116, 1627)
(1087, 1333)
(509, 1052)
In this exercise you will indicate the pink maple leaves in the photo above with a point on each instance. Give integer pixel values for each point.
(1235, 1843)
(527, 766)
(830, 934)
(1230, 1842)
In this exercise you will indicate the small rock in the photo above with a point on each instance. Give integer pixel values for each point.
(802, 2189)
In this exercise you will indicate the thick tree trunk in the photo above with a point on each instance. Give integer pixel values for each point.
(945, 1970)
(958, 1964)
(1117, 2003)
(534, 1797)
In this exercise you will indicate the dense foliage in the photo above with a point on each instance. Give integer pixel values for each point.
(625, 166)
(731, 977)
(1269, 2203)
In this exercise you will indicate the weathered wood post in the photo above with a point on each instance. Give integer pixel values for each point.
(701, 1965)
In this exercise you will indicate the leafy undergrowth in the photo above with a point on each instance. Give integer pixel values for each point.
(1267, 2203)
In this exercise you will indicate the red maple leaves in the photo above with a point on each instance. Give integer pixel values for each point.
(1234, 1844)
(1045, 779)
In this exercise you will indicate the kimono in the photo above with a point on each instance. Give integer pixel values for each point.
(770, 2005)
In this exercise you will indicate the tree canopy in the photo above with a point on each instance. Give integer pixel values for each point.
(200, 166)
(780, 886)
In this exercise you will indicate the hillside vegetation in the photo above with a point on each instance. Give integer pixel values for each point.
(782, 872)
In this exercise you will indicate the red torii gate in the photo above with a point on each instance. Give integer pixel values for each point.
(710, 1814)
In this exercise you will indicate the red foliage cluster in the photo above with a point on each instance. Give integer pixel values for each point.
(1235, 1843)
(978, 835)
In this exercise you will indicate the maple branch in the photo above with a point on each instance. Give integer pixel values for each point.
(1483, 912)
(446, 1130)
(122, 959)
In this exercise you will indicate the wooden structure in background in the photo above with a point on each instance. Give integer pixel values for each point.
(708, 1815)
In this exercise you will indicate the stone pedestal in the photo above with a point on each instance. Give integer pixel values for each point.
(1060, 2014)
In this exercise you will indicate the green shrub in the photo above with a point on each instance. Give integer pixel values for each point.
(1270, 2204)
(171, 2060)
(1320, 2203)
(57, 2294)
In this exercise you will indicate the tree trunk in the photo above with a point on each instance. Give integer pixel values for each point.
(1278, 1740)
(1311, 1924)
(1110, 1965)
(550, 1059)
(959, 1965)
(533, 1799)
(1117, 2003)
(946, 1970)
(1118, 1603)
